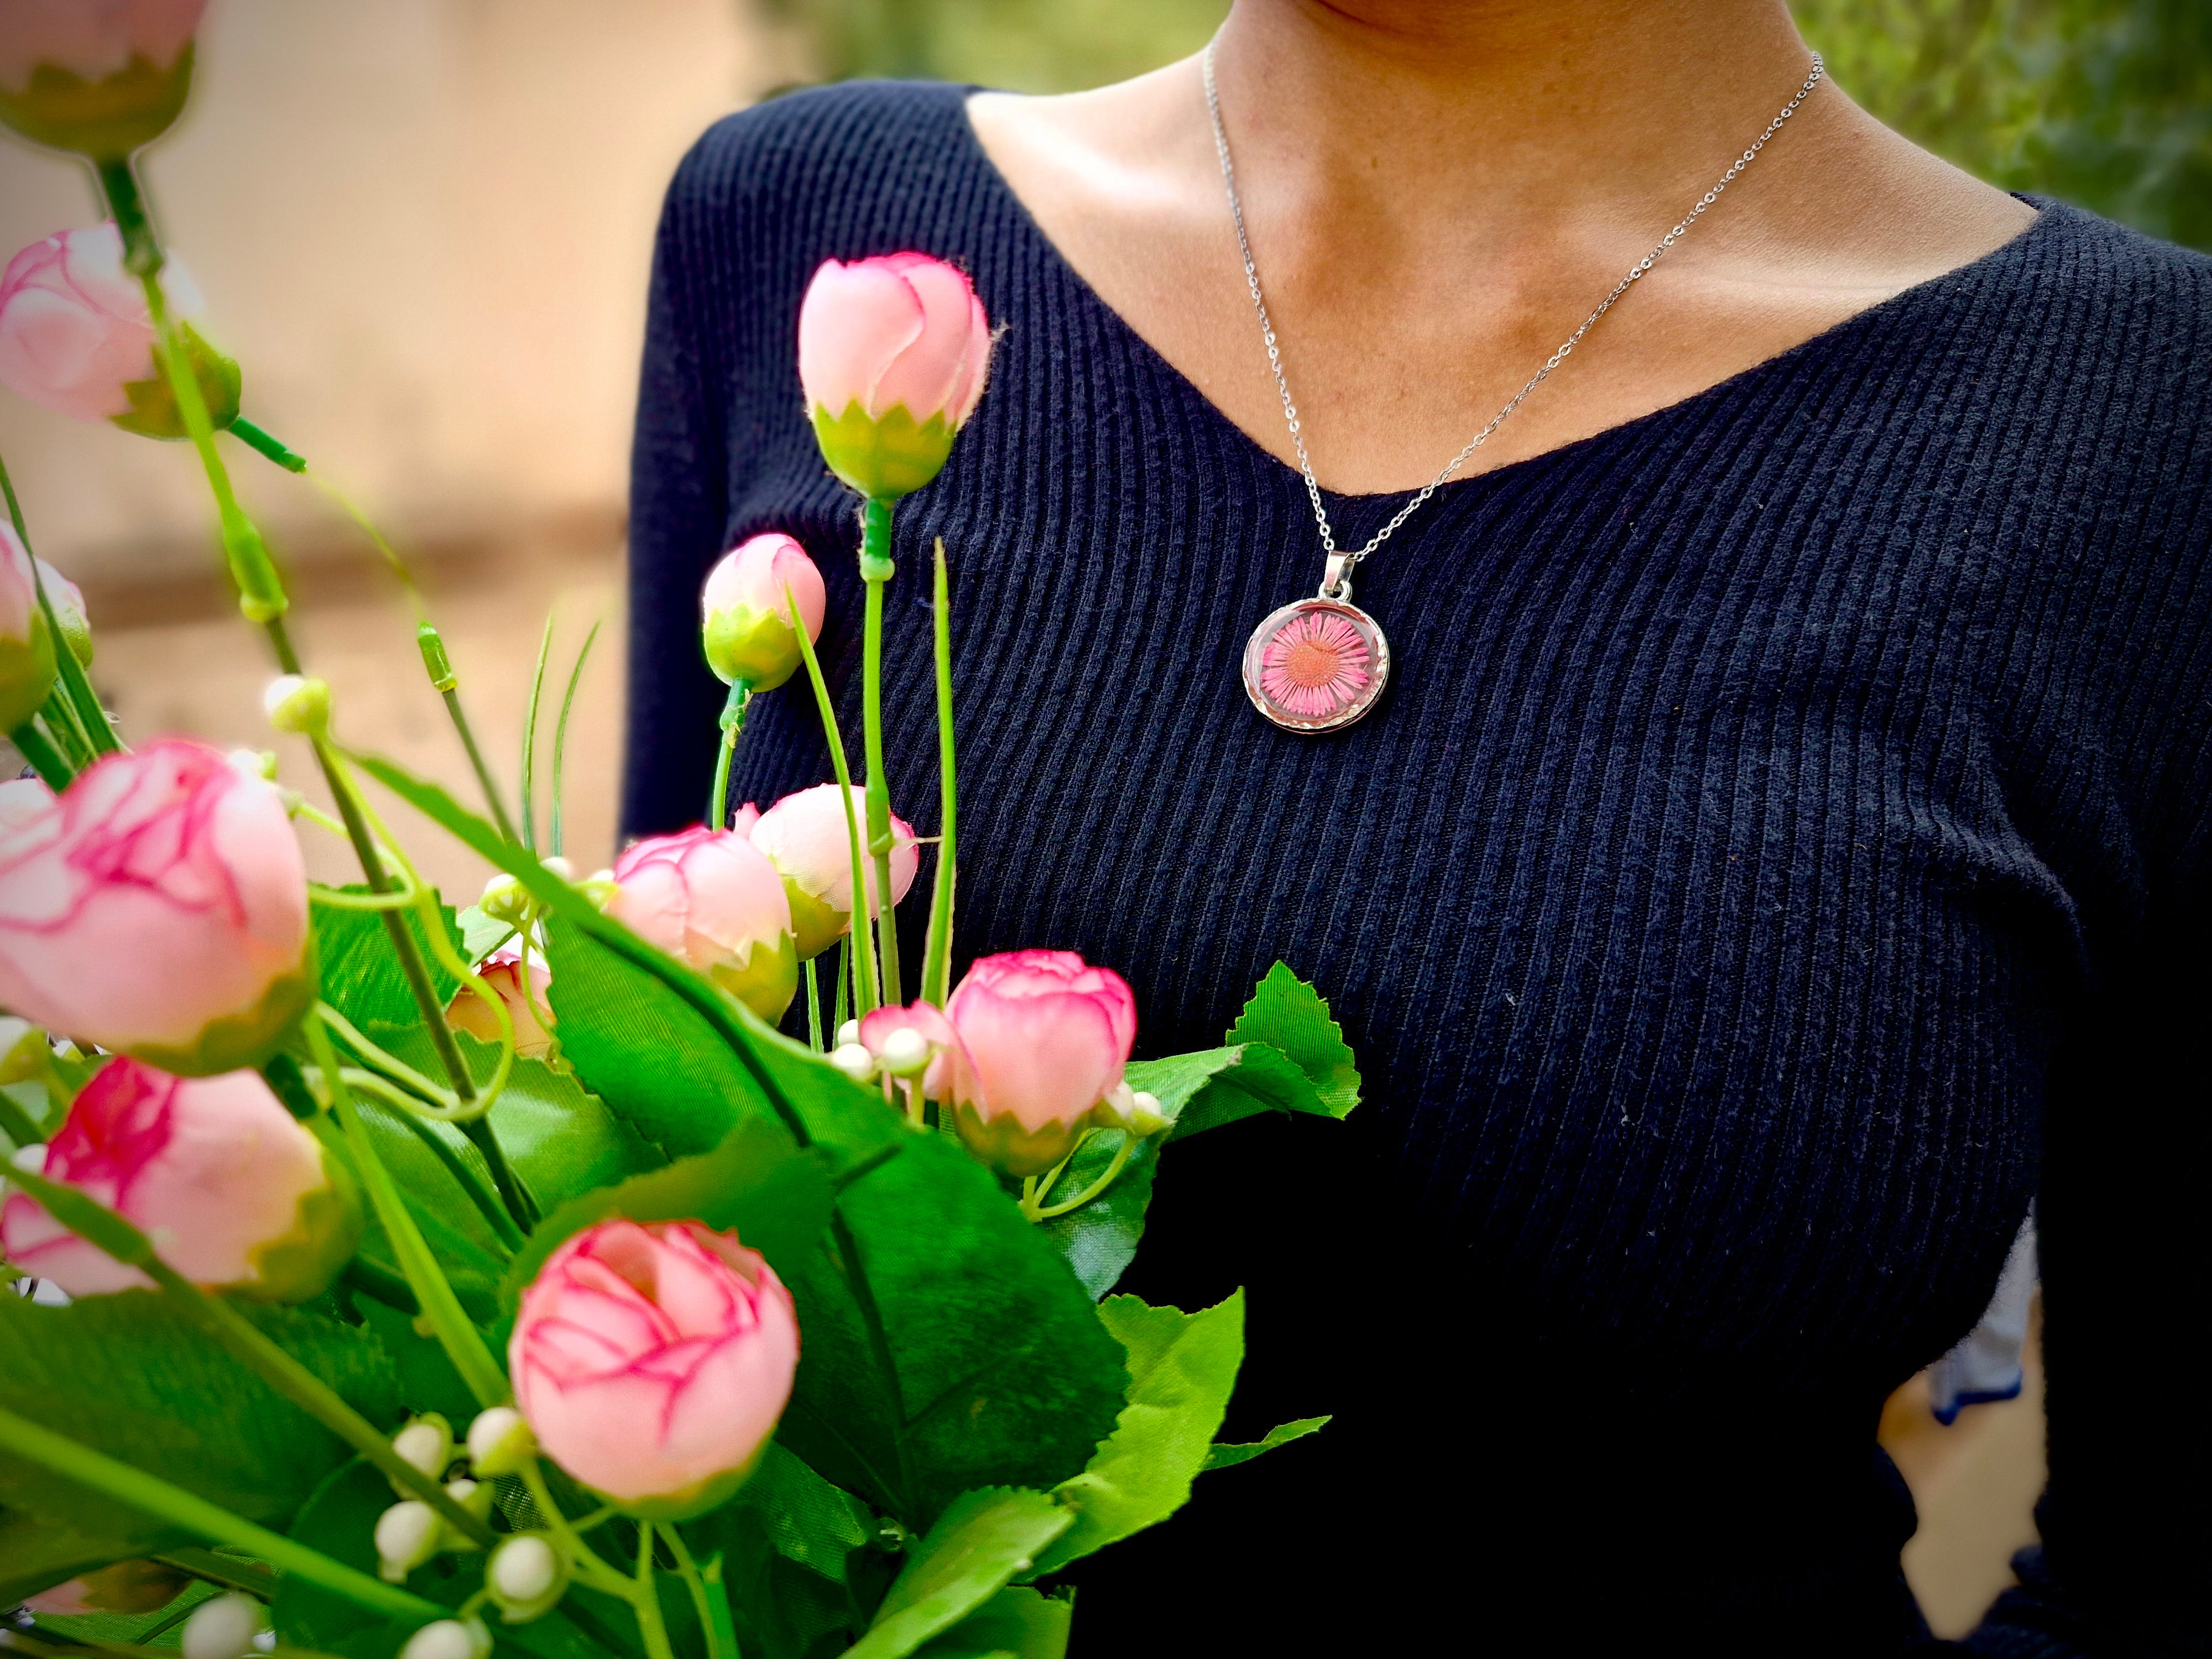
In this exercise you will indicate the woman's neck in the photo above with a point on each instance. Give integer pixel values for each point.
(1508, 113)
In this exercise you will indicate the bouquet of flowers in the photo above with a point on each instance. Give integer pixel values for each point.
(397, 1280)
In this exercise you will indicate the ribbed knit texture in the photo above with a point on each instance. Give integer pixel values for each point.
(1789, 813)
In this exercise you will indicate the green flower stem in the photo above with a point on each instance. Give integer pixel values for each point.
(734, 723)
(411, 965)
(560, 736)
(647, 1599)
(98, 1225)
(46, 759)
(82, 698)
(379, 1285)
(864, 969)
(1120, 1157)
(843, 1011)
(936, 947)
(66, 729)
(813, 1007)
(477, 763)
(255, 439)
(529, 739)
(876, 571)
(189, 1513)
(709, 1598)
(459, 1339)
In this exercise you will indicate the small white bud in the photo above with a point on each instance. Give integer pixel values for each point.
(1147, 1120)
(854, 1061)
(904, 1051)
(222, 1627)
(505, 899)
(526, 1576)
(426, 1443)
(561, 867)
(31, 1160)
(1121, 1100)
(296, 704)
(475, 1497)
(500, 1441)
(254, 763)
(449, 1638)
(406, 1537)
(849, 1032)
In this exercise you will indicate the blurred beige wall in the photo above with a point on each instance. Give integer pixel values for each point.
(424, 227)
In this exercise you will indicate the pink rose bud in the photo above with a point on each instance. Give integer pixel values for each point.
(26, 644)
(1043, 1038)
(98, 77)
(806, 838)
(710, 898)
(747, 618)
(233, 1192)
(159, 908)
(652, 1362)
(76, 337)
(502, 973)
(893, 352)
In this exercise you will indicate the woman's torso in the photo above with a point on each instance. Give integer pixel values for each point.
(1759, 786)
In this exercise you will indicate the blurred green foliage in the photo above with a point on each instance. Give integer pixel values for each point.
(2106, 103)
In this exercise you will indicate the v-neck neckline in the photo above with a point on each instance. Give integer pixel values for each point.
(2050, 217)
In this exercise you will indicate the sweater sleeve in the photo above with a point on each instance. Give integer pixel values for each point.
(679, 489)
(2124, 1567)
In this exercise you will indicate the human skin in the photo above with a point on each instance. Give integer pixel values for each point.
(1439, 191)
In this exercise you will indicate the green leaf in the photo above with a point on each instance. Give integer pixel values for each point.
(427, 1379)
(1288, 1014)
(559, 1136)
(1204, 1091)
(757, 1183)
(132, 1376)
(1100, 1239)
(661, 1067)
(983, 1540)
(799, 1560)
(1181, 1369)
(361, 973)
(1003, 1371)
(1228, 1456)
(473, 1258)
(1017, 1623)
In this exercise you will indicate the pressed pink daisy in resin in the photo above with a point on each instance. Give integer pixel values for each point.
(1316, 663)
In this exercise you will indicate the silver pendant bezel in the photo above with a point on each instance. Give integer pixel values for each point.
(1379, 674)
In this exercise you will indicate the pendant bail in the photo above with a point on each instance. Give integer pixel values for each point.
(1336, 578)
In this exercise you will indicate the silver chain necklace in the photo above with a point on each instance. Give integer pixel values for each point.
(1319, 663)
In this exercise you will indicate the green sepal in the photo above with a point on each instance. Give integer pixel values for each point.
(1002, 1143)
(693, 1501)
(238, 1042)
(884, 458)
(753, 647)
(326, 1230)
(153, 412)
(816, 923)
(27, 672)
(766, 981)
(105, 118)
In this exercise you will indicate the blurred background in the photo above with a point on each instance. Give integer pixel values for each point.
(424, 227)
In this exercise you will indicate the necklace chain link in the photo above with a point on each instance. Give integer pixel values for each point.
(1340, 565)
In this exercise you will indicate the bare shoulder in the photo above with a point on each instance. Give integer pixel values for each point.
(1126, 147)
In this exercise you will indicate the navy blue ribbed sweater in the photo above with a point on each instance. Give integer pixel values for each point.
(1781, 853)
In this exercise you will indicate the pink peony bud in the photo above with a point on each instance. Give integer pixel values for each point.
(232, 1191)
(653, 1361)
(502, 973)
(746, 617)
(806, 838)
(26, 644)
(159, 908)
(98, 77)
(711, 898)
(893, 353)
(76, 337)
(1042, 1040)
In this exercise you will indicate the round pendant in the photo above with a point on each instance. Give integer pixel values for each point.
(1316, 664)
